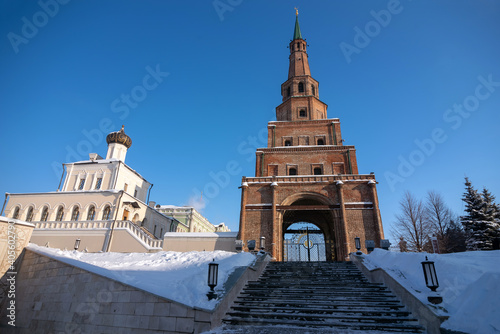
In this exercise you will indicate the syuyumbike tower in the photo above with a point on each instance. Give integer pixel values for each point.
(306, 174)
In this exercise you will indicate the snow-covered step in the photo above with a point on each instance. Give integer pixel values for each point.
(333, 296)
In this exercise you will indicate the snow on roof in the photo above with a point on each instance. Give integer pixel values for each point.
(181, 277)
(468, 283)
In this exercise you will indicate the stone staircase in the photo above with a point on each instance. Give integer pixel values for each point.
(317, 297)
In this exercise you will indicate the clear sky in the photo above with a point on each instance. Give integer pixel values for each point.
(416, 85)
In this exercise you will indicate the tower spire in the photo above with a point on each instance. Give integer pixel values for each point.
(296, 32)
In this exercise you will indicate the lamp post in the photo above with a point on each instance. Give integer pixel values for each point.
(370, 245)
(357, 243)
(262, 243)
(251, 245)
(77, 244)
(431, 281)
(213, 273)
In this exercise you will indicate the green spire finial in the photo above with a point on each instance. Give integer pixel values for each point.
(296, 32)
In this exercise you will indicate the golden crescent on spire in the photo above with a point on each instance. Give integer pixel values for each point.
(296, 11)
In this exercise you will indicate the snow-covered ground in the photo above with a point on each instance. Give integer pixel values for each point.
(181, 277)
(469, 283)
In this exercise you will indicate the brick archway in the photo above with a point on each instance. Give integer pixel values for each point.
(316, 209)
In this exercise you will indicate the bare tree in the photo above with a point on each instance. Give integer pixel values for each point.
(439, 216)
(412, 224)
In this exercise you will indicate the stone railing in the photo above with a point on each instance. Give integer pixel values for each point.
(90, 224)
(135, 230)
(311, 178)
(139, 233)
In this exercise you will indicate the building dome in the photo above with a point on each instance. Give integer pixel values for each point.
(119, 137)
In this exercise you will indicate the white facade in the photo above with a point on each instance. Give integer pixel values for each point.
(96, 194)
(191, 218)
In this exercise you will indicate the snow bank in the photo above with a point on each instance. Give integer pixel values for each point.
(181, 277)
(468, 282)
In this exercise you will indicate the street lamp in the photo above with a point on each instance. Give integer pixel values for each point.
(213, 272)
(238, 245)
(251, 245)
(431, 280)
(262, 243)
(357, 242)
(77, 244)
(370, 245)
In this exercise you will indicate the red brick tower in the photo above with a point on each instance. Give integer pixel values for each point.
(306, 173)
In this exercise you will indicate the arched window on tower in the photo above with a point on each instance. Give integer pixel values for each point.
(91, 213)
(45, 214)
(106, 213)
(301, 87)
(303, 113)
(16, 213)
(317, 171)
(60, 214)
(313, 90)
(288, 91)
(292, 171)
(75, 214)
(288, 143)
(29, 214)
(321, 141)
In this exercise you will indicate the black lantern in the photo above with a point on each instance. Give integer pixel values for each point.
(239, 245)
(77, 244)
(431, 280)
(262, 243)
(213, 272)
(370, 245)
(357, 242)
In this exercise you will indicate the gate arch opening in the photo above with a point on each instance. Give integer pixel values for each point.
(304, 242)
(309, 226)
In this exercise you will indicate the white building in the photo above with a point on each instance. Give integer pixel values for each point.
(102, 203)
(191, 219)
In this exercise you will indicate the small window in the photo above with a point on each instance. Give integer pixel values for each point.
(125, 187)
(16, 213)
(161, 232)
(303, 113)
(313, 90)
(292, 171)
(98, 183)
(321, 141)
(60, 214)
(288, 143)
(135, 193)
(45, 214)
(317, 171)
(75, 214)
(106, 213)
(29, 215)
(154, 231)
(301, 87)
(91, 213)
(288, 91)
(82, 183)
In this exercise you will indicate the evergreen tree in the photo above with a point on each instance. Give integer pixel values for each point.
(455, 237)
(481, 222)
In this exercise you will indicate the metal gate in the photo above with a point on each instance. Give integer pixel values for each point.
(306, 244)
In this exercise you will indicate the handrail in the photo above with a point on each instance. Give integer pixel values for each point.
(103, 224)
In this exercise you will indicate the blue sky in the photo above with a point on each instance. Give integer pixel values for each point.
(416, 85)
